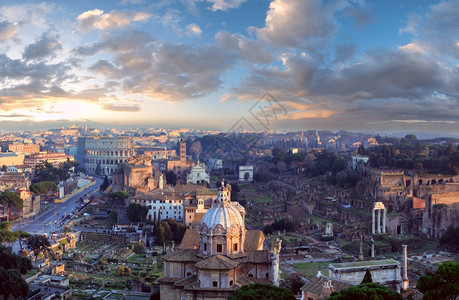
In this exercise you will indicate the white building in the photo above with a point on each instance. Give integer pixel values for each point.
(245, 173)
(161, 203)
(215, 164)
(198, 175)
(359, 159)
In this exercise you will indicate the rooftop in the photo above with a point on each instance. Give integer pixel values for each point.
(360, 264)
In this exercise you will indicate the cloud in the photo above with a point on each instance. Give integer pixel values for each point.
(114, 43)
(177, 71)
(135, 2)
(96, 19)
(224, 4)
(251, 50)
(295, 23)
(8, 30)
(193, 29)
(125, 108)
(105, 68)
(412, 24)
(44, 47)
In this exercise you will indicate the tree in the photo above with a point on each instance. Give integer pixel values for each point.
(171, 177)
(450, 237)
(444, 284)
(98, 170)
(38, 243)
(22, 237)
(105, 184)
(268, 229)
(294, 283)
(8, 261)
(11, 200)
(168, 232)
(196, 148)
(372, 291)
(12, 284)
(281, 166)
(367, 278)
(264, 291)
(43, 187)
(136, 212)
(114, 216)
(381, 162)
(119, 196)
(11, 267)
(123, 271)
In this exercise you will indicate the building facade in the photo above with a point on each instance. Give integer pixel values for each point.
(219, 257)
(181, 165)
(24, 148)
(55, 159)
(108, 152)
(385, 272)
(198, 175)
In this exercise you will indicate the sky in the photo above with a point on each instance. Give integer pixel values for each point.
(372, 66)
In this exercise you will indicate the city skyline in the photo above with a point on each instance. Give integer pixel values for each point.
(361, 66)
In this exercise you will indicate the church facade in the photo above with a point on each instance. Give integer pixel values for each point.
(219, 257)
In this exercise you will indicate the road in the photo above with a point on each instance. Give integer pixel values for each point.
(48, 221)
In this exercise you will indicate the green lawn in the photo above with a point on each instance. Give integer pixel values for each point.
(309, 270)
(263, 199)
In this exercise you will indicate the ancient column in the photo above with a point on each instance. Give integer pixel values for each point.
(379, 221)
(361, 257)
(406, 282)
(384, 221)
(373, 221)
(372, 248)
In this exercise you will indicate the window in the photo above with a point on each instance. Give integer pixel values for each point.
(219, 248)
(250, 275)
(205, 246)
(231, 282)
(188, 273)
(267, 275)
(235, 247)
(214, 283)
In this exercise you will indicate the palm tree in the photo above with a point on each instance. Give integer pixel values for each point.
(11, 200)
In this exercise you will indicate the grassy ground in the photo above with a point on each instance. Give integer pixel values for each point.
(263, 199)
(309, 270)
(322, 220)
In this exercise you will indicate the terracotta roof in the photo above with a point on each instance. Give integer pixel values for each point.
(316, 285)
(254, 240)
(190, 239)
(182, 255)
(198, 217)
(244, 280)
(218, 262)
(257, 256)
(168, 280)
(186, 281)
(157, 194)
(419, 203)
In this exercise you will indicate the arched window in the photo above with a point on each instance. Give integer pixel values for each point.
(214, 283)
(250, 274)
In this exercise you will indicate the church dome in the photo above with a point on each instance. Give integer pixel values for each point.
(223, 212)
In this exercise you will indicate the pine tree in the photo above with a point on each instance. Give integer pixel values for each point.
(169, 236)
(367, 278)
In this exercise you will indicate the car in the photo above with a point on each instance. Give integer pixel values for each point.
(86, 214)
